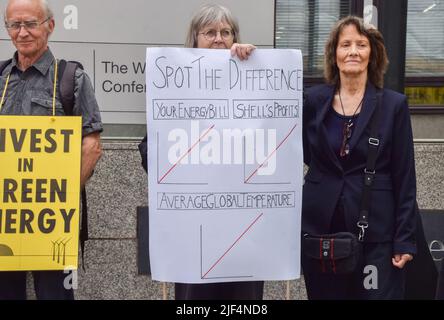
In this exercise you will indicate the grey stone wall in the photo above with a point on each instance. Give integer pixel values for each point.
(119, 185)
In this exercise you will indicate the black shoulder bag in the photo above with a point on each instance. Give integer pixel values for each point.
(340, 253)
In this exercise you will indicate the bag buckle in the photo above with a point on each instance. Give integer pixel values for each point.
(368, 177)
(362, 225)
(325, 248)
(373, 141)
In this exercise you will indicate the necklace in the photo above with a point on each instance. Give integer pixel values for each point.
(347, 128)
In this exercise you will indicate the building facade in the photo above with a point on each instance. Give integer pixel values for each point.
(110, 39)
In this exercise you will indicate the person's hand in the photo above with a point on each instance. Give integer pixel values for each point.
(399, 260)
(242, 50)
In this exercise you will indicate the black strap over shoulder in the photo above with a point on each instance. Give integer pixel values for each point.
(66, 75)
(4, 64)
(369, 171)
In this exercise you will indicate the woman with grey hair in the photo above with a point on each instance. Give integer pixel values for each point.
(213, 26)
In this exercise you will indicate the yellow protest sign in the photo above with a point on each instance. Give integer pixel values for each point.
(39, 192)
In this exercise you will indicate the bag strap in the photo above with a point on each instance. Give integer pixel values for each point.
(369, 171)
(66, 75)
(4, 64)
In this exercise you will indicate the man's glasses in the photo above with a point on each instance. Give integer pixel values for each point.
(225, 34)
(346, 134)
(28, 25)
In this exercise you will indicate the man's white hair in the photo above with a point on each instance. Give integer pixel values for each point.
(43, 4)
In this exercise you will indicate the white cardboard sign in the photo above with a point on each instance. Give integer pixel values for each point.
(224, 164)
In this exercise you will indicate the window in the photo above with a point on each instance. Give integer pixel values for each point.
(425, 53)
(306, 25)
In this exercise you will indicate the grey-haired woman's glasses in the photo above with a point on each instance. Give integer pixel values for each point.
(225, 34)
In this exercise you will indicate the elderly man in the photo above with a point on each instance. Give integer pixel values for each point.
(30, 74)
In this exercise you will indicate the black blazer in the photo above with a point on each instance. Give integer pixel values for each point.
(393, 197)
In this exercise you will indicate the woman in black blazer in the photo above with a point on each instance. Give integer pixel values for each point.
(336, 132)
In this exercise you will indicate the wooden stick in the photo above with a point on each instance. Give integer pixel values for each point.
(288, 290)
(165, 293)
